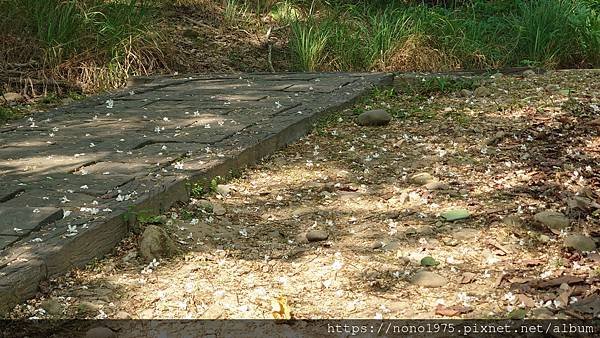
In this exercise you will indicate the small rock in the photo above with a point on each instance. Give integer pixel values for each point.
(512, 220)
(156, 244)
(131, 255)
(529, 73)
(218, 209)
(466, 93)
(552, 219)
(482, 91)
(377, 245)
(436, 185)
(465, 234)
(12, 97)
(377, 117)
(122, 315)
(455, 214)
(422, 178)
(542, 313)
(52, 306)
(391, 246)
(580, 243)
(88, 308)
(223, 190)
(316, 235)
(205, 205)
(100, 332)
(428, 279)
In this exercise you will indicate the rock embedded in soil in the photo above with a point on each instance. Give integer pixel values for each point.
(377, 117)
(455, 214)
(218, 209)
(580, 243)
(552, 219)
(482, 91)
(422, 178)
(436, 185)
(100, 332)
(466, 93)
(12, 97)
(529, 73)
(156, 244)
(52, 306)
(428, 279)
(87, 308)
(316, 235)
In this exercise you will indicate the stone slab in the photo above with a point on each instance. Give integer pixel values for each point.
(100, 166)
(17, 221)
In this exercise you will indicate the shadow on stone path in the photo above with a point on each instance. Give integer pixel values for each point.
(72, 180)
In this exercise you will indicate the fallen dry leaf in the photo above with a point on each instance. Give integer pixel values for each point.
(280, 308)
(452, 311)
(526, 300)
(467, 278)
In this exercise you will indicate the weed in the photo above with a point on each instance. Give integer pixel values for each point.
(308, 43)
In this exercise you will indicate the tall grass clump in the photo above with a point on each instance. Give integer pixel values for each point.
(94, 43)
(308, 42)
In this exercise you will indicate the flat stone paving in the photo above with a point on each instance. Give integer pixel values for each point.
(72, 180)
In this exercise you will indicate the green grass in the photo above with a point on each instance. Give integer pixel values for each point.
(478, 34)
(98, 42)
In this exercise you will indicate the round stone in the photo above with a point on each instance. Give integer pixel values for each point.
(422, 178)
(316, 235)
(428, 279)
(552, 219)
(377, 117)
(580, 243)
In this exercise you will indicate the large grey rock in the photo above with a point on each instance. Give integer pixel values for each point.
(552, 219)
(377, 117)
(580, 242)
(428, 279)
(156, 243)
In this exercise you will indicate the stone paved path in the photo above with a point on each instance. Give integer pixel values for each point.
(73, 180)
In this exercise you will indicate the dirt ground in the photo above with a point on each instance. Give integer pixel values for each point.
(520, 146)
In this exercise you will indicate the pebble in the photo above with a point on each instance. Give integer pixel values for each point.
(428, 279)
(580, 242)
(377, 117)
(218, 209)
(317, 235)
(529, 73)
(422, 178)
(100, 332)
(482, 91)
(436, 185)
(122, 315)
(552, 219)
(52, 307)
(466, 93)
(465, 234)
(87, 307)
(12, 97)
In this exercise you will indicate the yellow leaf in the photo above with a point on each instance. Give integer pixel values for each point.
(280, 308)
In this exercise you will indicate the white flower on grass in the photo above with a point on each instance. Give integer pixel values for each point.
(207, 126)
(92, 145)
(84, 187)
(17, 229)
(510, 297)
(64, 199)
(66, 213)
(36, 210)
(194, 221)
(165, 119)
(110, 103)
(36, 240)
(178, 165)
(243, 232)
